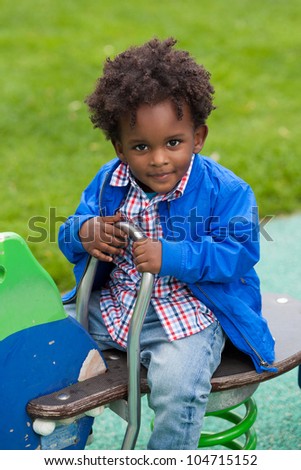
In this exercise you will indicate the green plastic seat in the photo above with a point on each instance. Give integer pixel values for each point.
(28, 294)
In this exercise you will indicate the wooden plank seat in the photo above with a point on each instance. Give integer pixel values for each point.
(233, 382)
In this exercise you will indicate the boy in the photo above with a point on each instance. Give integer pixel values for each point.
(201, 224)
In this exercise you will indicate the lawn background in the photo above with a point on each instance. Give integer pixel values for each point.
(52, 52)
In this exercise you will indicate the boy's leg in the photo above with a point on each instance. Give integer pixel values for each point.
(179, 375)
(70, 309)
(97, 328)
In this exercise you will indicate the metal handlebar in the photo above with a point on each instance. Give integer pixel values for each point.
(133, 349)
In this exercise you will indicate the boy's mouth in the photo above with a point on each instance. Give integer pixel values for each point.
(160, 175)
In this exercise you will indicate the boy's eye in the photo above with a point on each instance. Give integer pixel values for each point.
(173, 143)
(140, 147)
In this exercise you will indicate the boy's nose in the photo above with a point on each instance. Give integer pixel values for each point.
(158, 158)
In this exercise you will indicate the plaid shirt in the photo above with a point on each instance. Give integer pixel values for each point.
(180, 313)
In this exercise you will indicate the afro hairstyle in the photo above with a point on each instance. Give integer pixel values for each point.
(149, 74)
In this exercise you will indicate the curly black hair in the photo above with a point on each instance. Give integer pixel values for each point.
(149, 74)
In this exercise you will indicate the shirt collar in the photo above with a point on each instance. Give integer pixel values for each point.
(122, 177)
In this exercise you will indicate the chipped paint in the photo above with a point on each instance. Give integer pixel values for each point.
(93, 365)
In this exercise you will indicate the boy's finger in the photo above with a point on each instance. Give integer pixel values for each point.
(118, 243)
(111, 219)
(106, 248)
(115, 238)
(118, 233)
(139, 243)
(103, 257)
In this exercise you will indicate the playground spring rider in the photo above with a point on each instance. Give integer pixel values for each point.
(43, 351)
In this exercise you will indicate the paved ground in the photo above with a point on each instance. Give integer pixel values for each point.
(279, 401)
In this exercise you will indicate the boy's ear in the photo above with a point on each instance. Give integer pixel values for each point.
(200, 135)
(118, 149)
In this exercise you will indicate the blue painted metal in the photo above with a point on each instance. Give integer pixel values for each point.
(35, 362)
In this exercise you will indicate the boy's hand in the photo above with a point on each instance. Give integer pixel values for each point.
(148, 255)
(101, 238)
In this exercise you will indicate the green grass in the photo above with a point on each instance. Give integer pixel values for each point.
(51, 55)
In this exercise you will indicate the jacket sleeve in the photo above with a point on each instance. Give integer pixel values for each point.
(228, 248)
(68, 237)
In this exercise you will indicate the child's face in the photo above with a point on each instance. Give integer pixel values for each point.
(159, 148)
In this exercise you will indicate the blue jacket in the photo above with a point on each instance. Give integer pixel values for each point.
(210, 241)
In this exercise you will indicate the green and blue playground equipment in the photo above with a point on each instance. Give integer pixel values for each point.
(55, 380)
(41, 349)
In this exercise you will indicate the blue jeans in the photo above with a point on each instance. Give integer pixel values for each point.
(179, 375)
